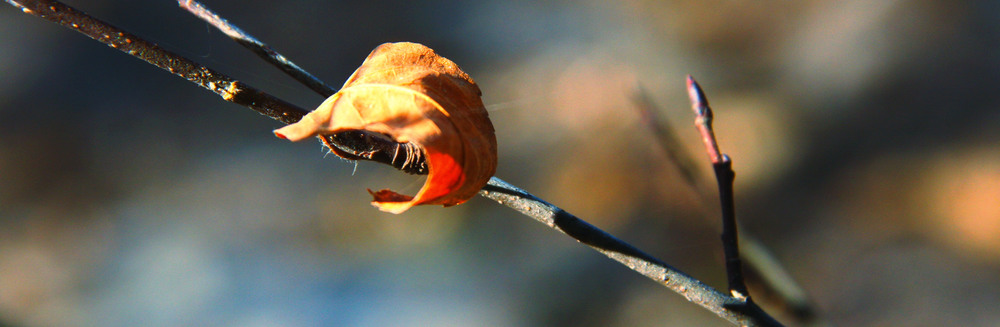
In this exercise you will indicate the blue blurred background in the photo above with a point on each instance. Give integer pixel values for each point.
(864, 135)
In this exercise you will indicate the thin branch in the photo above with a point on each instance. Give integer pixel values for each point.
(260, 48)
(668, 140)
(733, 309)
(774, 276)
(357, 145)
(779, 281)
(724, 175)
(230, 89)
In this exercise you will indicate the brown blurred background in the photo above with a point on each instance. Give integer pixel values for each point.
(864, 135)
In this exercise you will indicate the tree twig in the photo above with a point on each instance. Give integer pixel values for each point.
(260, 48)
(230, 89)
(779, 281)
(733, 309)
(668, 140)
(724, 175)
(358, 145)
(755, 254)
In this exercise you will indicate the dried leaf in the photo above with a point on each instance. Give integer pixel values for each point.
(409, 93)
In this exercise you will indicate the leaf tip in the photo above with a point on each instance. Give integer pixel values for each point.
(391, 202)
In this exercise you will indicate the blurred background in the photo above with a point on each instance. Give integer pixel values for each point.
(865, 137)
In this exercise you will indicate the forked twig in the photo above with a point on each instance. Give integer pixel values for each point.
(230, 89)
(733, 309)
(357, 144)
(755, 254)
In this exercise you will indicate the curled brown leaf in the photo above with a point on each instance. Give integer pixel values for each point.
(412, 95)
